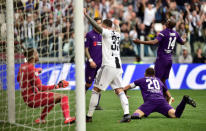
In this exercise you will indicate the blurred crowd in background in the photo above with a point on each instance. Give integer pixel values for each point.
(48, 25)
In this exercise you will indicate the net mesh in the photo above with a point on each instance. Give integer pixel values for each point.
(47, 26)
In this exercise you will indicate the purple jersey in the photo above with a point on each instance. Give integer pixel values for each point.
(167, 39)
(94, 43)
(151, 88)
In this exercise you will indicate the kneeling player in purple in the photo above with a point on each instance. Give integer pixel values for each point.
(152, 90)
(166, 39)
(93, 52)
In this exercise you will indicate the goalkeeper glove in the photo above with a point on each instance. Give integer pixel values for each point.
(39, 70)
(62, 84)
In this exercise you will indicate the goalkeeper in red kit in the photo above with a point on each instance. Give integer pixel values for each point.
(33, 93)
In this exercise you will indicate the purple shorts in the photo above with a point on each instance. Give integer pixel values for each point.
(90, 73)
(162, 68)
(160, 106)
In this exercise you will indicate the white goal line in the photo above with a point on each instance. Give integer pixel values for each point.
(21, 125)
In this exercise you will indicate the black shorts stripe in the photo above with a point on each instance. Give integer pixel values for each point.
(117, 62)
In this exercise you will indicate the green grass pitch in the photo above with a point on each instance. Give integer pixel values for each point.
(193, 119)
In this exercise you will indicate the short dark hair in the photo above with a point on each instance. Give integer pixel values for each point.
(107, 22)
(149, 72)
(97, 18)
(171, 23)
(28, 53)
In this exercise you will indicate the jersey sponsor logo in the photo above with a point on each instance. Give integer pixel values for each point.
(172, 34)
(99, 43)
(168, 51)
(95, 43)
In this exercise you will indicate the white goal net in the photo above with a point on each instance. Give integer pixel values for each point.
(48, 28)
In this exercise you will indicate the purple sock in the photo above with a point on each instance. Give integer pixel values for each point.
(180, 108)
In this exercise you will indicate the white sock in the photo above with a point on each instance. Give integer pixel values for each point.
(93, 103)
(124, 102)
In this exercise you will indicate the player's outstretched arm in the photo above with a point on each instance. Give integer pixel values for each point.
(61, 84)
(93, 22)
(150, 42)
(37, 82)
(116, 25)
(42, 87)
(126, 88)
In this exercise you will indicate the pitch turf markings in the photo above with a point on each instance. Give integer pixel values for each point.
(22, 125)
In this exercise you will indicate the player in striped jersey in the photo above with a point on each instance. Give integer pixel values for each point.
(110, 72)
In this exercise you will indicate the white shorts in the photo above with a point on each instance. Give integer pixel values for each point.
(106, 76)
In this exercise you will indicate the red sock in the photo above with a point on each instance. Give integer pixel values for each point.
(65, 106)
(46, 110)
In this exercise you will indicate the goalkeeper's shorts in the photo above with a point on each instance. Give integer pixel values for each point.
(41, 99)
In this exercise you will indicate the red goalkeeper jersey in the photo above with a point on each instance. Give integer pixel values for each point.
(30, 82)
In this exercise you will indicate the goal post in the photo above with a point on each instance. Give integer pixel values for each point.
(79, 61)
(10, 61)
(55, 29)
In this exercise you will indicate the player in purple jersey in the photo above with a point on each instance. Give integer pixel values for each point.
(166, 39)
(152, 90)
(93, 51)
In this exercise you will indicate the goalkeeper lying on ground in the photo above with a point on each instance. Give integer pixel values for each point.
(31, 86)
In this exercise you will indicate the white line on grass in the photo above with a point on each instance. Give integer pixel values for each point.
(21, 125)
